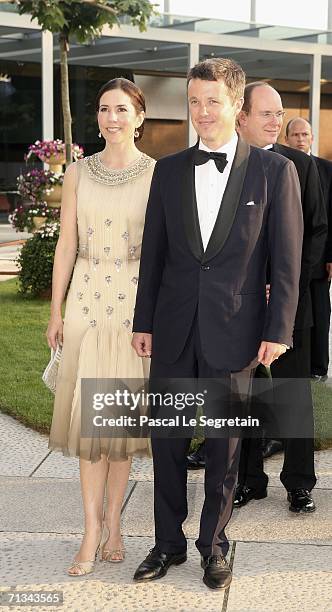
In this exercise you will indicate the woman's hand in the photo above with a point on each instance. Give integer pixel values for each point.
(54, 332)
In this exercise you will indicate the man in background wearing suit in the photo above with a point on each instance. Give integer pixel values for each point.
(216, 214)
(299, 136)
(260, 122)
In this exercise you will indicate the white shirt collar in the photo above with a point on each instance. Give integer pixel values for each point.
(267, 147)
(229, 148)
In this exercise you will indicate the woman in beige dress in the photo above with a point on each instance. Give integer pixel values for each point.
(102, 217)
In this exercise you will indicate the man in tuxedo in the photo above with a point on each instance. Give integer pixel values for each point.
(299, 136)
(260, 122)
(216, 213)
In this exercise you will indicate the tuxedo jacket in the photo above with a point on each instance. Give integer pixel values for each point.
(315, 228)
(324, 167)
(260, 218)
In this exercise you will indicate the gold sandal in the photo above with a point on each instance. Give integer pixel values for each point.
(114, 555)
(84, 567)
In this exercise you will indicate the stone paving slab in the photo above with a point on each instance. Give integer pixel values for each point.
(43, 559)
(38, 505)
(264, 520)
(21, 449)
(269, 520)
(142, 470)
(138, 514)
(56, 465)
(278, 577)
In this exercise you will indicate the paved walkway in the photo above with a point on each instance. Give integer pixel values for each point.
(281, 561)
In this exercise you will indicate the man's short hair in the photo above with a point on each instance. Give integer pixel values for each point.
(295, 119)
(221, 69)
(249, 88)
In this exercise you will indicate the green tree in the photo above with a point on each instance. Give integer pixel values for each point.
(82, 20)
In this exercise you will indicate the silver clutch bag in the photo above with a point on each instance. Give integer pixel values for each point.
(51, 370)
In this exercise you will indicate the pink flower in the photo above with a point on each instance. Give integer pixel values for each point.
(52, 148)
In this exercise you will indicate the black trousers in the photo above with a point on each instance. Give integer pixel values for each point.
(170, 469)
(321, 307)
(298, 469)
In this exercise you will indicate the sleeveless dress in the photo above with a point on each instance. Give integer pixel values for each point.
(100, 304)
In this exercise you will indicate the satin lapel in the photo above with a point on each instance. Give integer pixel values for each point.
(189, 207)
(230, 201)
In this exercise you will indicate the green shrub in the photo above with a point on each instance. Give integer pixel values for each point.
(36, 261)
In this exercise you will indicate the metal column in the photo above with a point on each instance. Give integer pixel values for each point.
(252, 11)
(47, 86)
(193, 59)
(329, 22)
(314, 103)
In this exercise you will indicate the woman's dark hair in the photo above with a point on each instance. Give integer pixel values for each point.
(134, 93)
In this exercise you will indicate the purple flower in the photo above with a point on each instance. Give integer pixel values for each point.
(52, 148)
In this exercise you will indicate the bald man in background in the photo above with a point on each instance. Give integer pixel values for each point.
(299, 136)
(259, 124)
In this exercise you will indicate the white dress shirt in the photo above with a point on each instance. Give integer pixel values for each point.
(210, 185)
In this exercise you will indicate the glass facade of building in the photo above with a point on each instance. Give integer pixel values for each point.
(298, 62)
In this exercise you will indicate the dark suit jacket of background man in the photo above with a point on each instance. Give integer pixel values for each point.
(315, 231)
(259, 217)
(298, 468)
(324, 167)
(320, 285)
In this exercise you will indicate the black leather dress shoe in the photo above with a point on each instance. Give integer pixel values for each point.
(196, 460)
(156, 565)
(301, 501)
(217, 573)
(272, 447)
(244, 494)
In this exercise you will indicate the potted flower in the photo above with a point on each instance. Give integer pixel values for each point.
(30, 218)
(38, 214)
(20, 219)
(42, 214)
(53, 189)
(37, 185)
(53, 153)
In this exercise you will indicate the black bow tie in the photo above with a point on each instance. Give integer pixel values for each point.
(201, 157)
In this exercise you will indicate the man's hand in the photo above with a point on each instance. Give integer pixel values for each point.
(329, 270)
(269, 351)
(142, 343)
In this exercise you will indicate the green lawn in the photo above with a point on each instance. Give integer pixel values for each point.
(322, 396)
(24, 355)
